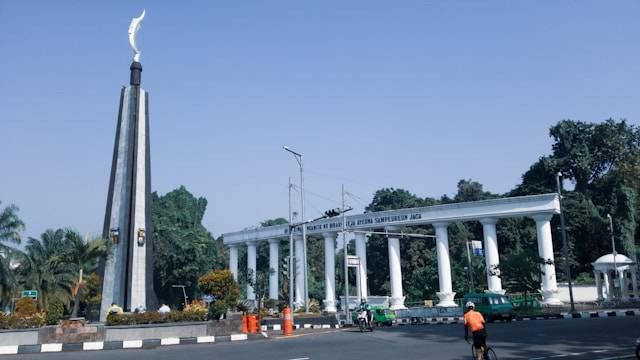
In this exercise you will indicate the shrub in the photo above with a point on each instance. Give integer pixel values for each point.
(222, 286)
(217, 309)
(314, 306)
(196, 311)
(25, 307)
(21, 322)
(54, 312)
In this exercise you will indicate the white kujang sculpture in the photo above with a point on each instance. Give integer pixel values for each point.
(133, 30)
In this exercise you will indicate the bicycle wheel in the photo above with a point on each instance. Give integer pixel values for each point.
(489, 354)
(473, 352)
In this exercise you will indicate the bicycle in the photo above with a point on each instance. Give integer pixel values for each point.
(488, 353)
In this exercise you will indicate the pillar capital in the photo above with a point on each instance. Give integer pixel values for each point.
(488, 221)
(440, 224)
(542, 217)
(274, 241)
(390, 228)
(251, 242)
(233, 246)
(330, 234)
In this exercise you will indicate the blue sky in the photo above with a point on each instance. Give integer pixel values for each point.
(410, 94)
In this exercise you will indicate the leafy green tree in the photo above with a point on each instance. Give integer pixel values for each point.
(84, 254)
(521, 271)
(183, 248)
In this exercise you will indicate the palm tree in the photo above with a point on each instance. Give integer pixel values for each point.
(42, 267)
(10, 227)
(84, 255)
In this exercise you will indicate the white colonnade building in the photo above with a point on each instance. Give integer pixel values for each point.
(540, 208)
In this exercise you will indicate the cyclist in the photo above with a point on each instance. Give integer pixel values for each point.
(475, 321)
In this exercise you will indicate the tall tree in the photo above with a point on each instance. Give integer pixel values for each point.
(183, 248)
(10, 227)
(84, 254)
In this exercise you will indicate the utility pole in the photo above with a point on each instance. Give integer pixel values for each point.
(565, 246)
(346, 265)
(304, 239)
(291, 262)
(469, 269)
(613, 246)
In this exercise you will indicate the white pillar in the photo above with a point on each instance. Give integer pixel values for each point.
(492, 259)
(634, 282)
(395, 270)
(545, 251)
(361, 253)
(299, 291)
(273, 268)
(597, 275)
(251, 268)
(233, 261)
(330, 272)
(446, 293)
(622, 278)
(607, 286)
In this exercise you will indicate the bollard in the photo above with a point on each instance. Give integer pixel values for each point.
(252, 324)
(287, 322)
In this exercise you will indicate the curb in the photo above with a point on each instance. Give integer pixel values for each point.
(126, 344)
(277, 327)
(578, 315)
(599, 314)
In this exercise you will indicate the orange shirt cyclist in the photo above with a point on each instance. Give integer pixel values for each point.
(475, 321)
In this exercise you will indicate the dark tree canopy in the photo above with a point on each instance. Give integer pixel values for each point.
(183, 248)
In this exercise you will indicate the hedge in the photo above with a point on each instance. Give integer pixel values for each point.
(21, 322)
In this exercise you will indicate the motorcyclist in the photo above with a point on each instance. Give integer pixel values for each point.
(364, 306)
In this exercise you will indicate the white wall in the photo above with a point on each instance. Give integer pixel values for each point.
(581, 293)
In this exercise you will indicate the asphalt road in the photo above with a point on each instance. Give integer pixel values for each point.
(602, 338)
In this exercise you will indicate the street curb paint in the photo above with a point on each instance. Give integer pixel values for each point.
(126, 344)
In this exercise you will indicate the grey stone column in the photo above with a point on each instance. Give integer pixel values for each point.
(273, 268)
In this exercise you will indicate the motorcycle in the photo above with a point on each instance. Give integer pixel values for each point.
(363, 321)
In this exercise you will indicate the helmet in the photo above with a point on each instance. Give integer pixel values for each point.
(363, 301)
(469, 304)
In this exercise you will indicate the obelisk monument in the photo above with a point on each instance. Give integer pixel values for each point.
(128, 271)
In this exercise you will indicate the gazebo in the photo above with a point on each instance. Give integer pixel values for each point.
(611, 274)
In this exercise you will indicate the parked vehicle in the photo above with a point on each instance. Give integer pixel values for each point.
(492, 306)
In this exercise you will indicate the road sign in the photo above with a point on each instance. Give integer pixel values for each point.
(476, 247)
(30, 293)
(353, 261)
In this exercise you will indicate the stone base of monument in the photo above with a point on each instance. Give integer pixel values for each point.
(72, 331)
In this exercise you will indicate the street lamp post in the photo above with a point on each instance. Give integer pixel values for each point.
(565, 246)
(298, 157)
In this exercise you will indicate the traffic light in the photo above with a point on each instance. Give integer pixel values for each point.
(333, 212)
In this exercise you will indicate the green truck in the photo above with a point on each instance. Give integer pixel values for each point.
(492, 306)
(381, 316)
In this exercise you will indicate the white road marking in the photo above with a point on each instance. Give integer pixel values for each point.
(305, 358)
(618, 357)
